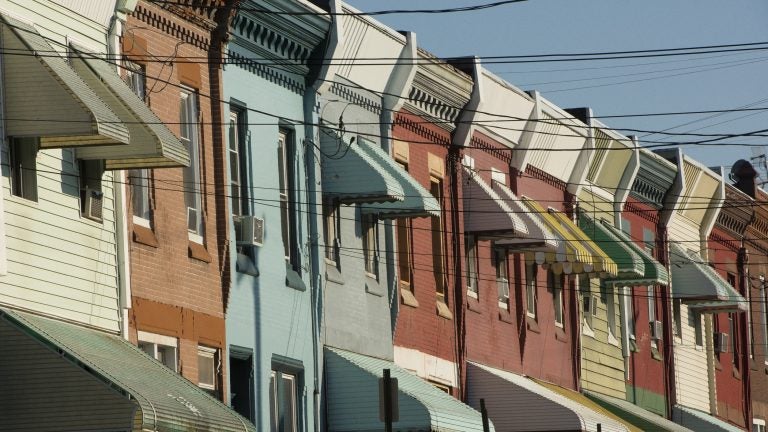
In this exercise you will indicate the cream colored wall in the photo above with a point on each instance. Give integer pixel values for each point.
(59, 263)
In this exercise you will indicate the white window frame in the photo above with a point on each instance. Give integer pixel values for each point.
(764, 313)
(500, 258)
(276, 377)
(652, 313)
(758, 425)
(135, 78)
(190, 137)
(23, 167)
(586, 292)
(470, 244)
(631, 324)
(160, 340)
(610, 312)
(531, 290)
(331, 220)
(557, 299)
(286, 174)
(234, 146)
(370, 240)
(209, 352)
(142, 212)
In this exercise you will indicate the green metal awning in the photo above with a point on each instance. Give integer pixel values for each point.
(701, 421)
(46, 98)
(636, 265)
(162, 400)
(152, 144)
(351, 175)
(417, 202)
(699, 285)
(353, 398)
(633, 414)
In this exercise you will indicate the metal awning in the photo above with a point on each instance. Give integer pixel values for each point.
(539, 238)
(353, 398)
(699, 285)
(351, 175)
(635, 265)
(701, 421)
(486, 213)
(151, 144)
(46, 98)
(581, 255)
(518, 403)
(418, 201)
(633, 414)
(161, 400)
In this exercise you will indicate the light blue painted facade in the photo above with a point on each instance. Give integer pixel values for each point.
(270, 314)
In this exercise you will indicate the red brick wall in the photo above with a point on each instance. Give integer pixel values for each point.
(166, 279)
(756, 242)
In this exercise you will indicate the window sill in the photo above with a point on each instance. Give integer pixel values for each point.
(145, 236)
(633, 347)
(373, 287)
(736, 373)
(246, 265)
(531, 324)
(194, 237)
(140, 221)
(332, 273)
(612, 340)
(586, 330)
(473, 304)
(656, 355)
(560, 334)
(293, 279)
(443, 310)
(198, 252)
(407, 298)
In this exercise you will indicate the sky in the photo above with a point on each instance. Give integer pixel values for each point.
(614, 87)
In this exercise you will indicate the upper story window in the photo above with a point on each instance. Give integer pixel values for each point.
(23, 169)
(239, 189)
(91, 195)
(164, 349)
(502, 280)
(404, 257)
(140, 189)
(370, 245)
(331, 223)
(286, 154)
(531, 289)
(189, 119)
(438, 248)
(470, 244)
(283, 406)
(136, 78)
(557, 297)
(652, 314)
(208, 370)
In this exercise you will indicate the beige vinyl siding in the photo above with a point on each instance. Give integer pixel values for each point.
(602, 363)
(691, 366)
(551, 133)
(59, 263)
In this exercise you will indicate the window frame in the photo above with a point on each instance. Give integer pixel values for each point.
(501, 265)
(213, 354)
(189, 135)
(23, 179)
(438, 243)
(531, 290)
(370, 238)
(651, 293)
(558, 303)
(470, 245)
(286, 150)
(764, 313)
(141, 209)
(157, 340)
(276, 393)
(238, 156)
(135, 76)
(90, 173)
(610, 313)
(331, 230)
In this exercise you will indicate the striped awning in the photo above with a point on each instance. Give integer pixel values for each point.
(137, 392)
(351, 175)
(633, 414)
(539, 237)
(151, 144)
(486, 213)
(581, 255)
(698, 285)
(44, 97)
(353, 398)
(417, 202)
(701, 421)
(518, 403)
(635, 265)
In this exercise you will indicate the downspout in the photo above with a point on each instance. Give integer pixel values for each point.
(461, 138)
(394, 96)
(666, 215)
(746, 366)
(122, 9)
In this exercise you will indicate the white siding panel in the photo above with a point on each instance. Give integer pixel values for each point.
(690, 367)
(550, 134)
(501, 97)
(362, 40)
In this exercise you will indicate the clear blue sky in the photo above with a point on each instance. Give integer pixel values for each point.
(712, 81)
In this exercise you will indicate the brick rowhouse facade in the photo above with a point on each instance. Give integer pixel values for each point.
(727, 256)
(177, 281)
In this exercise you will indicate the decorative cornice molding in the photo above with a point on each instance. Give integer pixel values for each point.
(647, 192)
(264, 71)
(651, 215)
(421, 130)
(356, 98)
(168, 26)
(731, 244)
(551, 180)
(498, 151)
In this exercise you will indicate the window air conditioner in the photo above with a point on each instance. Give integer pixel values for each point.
(94, 202)
(657, 330)
(192, 219)
(721, 342)
(249, 231)
(590, 305)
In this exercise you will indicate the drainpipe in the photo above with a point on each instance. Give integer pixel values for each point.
(122, 9)
(746, 377)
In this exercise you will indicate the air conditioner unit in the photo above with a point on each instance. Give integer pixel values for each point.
(192, 219)
(93, 206)
(249, 231)
(657, 330)
(721, 342)
(590, 305)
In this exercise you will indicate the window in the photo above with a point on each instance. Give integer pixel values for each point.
(285, 159)
(404, 234)
(438, 249)
(631, 316)
(189, 117)
(695, 321)
(531, 275)
(555, 285)
(626, 226)
(470, 243)
(764, 310)
(162, 348)
(587, 299)
(649, 239)
(758, 425)
(331, 228)
(652, 313)
(502, 280)
(139, 180)
(370, 245)
(135, 77)
(283, 412)
(239, 190)
(241, 382)
(676, 316)
(610, 311)
(91, 195)
(208, 370)
(442, 387)
(732, 338)
(23, 158)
